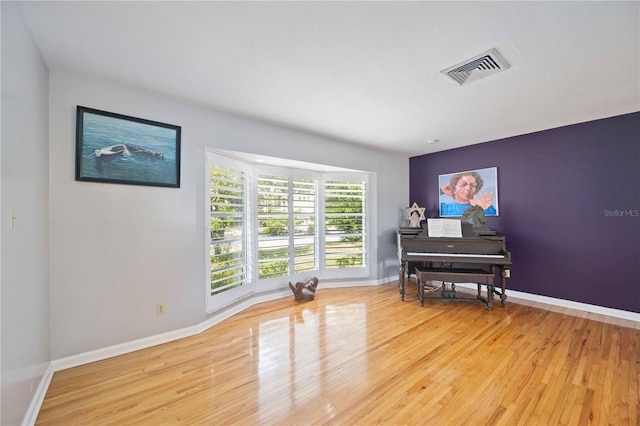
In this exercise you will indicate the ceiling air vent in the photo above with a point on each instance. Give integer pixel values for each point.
(480, 66)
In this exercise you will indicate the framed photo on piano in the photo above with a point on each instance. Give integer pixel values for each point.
(460, 190)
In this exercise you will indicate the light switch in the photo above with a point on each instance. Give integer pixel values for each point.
(12, 220)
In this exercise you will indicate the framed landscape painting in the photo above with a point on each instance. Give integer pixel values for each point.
(115, 148)
(460, 190)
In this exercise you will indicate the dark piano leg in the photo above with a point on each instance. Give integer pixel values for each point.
(503, 284)
(401, 281)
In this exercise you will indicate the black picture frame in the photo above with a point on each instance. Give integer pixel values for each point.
(116, 148)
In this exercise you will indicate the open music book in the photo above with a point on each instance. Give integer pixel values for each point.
(451, 228)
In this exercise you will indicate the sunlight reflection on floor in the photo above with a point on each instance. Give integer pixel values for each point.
(293, 351)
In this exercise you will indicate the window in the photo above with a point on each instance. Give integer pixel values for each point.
(286, 226)
(305, 196)
(281, 222)
(273, 226)
(344, 212)
(229, 231)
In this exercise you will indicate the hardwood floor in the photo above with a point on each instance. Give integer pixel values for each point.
(361, 356)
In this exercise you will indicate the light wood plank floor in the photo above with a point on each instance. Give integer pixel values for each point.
(361, 356)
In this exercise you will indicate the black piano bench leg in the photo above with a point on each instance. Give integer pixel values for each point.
(490, 289)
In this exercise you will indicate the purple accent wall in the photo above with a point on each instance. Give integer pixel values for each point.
(569, 203)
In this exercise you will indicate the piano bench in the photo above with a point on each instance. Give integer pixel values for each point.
(457, 275)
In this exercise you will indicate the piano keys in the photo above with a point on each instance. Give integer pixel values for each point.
(473, 259)
(459, 255)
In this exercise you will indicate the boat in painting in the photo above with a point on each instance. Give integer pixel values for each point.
(125, 149)
(111, 150)
(134, 149)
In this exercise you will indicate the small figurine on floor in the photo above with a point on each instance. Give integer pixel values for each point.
(304, 292)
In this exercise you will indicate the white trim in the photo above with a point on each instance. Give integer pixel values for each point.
(229, 297)
(595, 309)
(33, 410)
(121, 349)
(111, 351)
(364, 283)
(256, 285)
(616, 313)
(147, 342)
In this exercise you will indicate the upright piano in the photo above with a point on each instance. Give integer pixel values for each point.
(470, 259)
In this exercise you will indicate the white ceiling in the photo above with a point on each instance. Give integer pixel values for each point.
(361, 72)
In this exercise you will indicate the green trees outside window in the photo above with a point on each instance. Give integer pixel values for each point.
(228, 228)
(286, 226)
(282, 224)
(344, 224)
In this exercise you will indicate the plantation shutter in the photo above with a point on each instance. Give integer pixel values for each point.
(228, 228)
(304, 220)
(273, 226)
(344, 208)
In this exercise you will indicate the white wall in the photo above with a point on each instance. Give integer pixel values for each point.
(117, 250)
(25, 190)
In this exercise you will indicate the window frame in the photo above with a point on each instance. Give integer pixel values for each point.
(225, 298)
(254, 283)
(292, 176)
(346, 273)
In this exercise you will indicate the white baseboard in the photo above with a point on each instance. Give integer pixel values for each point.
(147, 342)
(356, 283)
(38, 398)
(562, 303)
(111, 351)
(108, 352)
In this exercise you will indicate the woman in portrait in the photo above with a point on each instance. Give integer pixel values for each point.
(465, 188)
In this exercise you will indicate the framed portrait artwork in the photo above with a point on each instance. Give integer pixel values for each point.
(115, 148)
(460, 190)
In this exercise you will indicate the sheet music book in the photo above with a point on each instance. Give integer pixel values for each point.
(451, 228)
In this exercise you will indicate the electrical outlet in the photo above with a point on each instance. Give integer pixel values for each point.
(161, 309)
(507, 273)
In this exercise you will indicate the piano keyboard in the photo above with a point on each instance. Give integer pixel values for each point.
(488, 256)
